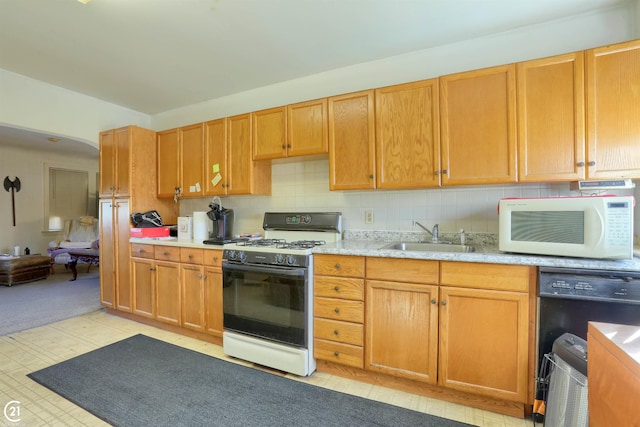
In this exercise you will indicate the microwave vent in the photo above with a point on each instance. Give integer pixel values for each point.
(596, 187)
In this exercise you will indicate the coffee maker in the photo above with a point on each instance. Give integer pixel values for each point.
(222, 219)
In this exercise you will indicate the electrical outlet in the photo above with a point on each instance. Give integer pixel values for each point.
(368, 217)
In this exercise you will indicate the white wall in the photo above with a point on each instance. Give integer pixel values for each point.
(29, 166)
(34, 105)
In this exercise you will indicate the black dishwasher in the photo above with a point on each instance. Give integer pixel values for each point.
(570, 298)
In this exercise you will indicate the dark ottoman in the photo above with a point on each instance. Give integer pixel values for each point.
(26, 268)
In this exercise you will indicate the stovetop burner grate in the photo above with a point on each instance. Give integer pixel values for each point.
(301, 244)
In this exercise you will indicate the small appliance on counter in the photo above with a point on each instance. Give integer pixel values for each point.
(222, 218)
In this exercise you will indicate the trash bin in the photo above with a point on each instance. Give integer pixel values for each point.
(567, 397)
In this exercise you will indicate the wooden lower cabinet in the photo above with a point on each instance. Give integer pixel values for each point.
(463, 327)
(179, 286)
(168, 298)
(144, 292)
(339, 309)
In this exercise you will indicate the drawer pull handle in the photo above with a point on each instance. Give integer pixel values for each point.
(337, 288)
(434, 301)
(336, 354)
(337, 310)
(337, 266)
(335, 332)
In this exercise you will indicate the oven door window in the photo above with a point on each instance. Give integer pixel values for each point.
(266, 302)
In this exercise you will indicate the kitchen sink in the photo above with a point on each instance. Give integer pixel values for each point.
(428, 247)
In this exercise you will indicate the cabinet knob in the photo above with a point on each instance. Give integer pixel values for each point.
(337, 265)
(215, 258)
(190, 256)
(434, 301)
(443, 303)
(152, 269)
(592, 163)
(165, 253)
(335, 332)
(436, 173)
(580, 164)
(284, 146)
(337, 288)
(336, 354)
(444, 171)
(371, 176)
(337, 310)
(288, 145)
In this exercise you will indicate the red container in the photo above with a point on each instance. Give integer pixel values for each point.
(150, 232)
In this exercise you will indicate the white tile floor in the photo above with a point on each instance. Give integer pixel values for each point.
(28, 351)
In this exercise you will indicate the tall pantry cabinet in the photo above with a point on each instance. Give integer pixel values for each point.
(127, 185)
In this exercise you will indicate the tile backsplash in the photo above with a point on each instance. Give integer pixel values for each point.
(304, 186)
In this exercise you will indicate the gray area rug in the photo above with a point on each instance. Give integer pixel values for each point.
(29, 305)
(141, 381)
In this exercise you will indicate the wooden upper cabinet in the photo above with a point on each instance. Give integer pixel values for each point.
(352, 141)
(478, 125)
(407, 135)
(215, 158)
(307, 129)
(107, 163)
(168, 155)
(192, 160)
(551, 145)
(115, 167)
(613, 111)
(245, 175)
(270, 133)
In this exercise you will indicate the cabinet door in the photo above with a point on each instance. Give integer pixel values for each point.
(352, 141)
(239, 143)
(192, 160)
(168, 152)
(478, 125)
(107, 261)
(168, 292)
(213, 301)
(551, 145)
(484, 342)
(143, 275)
(407, 135)
(270, 133)
(192, 288)
(107, 164)
(613, 111)
(122, 255)
(307, 128)
(402, 329)
(122, 164)
(215, 158)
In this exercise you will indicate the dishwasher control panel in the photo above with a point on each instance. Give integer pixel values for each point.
(603, 285)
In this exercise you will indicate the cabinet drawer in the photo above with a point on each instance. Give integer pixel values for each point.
(338, 265)
(166, 253)
(336, 287)
(192, 256)
(344, 354)
(339, 309)
(487, 276)
(403, 270)
(335, 330)
(141, 251)
(213, 258)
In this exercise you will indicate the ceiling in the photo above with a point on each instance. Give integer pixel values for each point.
(156, 55)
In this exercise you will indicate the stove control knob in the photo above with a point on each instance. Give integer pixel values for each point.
(231, 254)
(242, 256)
(306, 219)
(291, 260)
(279, 258)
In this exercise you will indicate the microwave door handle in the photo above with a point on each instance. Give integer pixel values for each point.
(282, 271)
(600, 224)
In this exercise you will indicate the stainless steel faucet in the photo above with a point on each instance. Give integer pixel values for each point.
(434, 233)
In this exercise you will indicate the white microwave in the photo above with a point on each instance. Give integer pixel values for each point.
(588, 227)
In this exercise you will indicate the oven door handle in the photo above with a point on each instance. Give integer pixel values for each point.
(272, 269)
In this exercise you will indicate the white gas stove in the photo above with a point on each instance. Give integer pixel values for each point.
(268, 290)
